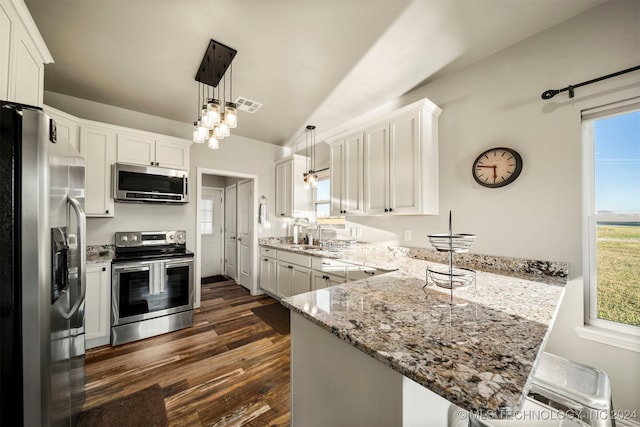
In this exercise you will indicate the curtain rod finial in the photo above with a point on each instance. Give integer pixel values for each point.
(550, 93)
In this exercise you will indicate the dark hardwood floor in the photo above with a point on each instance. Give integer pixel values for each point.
(229, 369)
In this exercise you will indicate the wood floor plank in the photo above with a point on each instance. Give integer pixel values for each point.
(229, 369)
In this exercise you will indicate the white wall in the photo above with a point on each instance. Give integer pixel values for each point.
(496, 102)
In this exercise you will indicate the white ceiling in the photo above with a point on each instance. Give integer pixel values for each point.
(317, 62)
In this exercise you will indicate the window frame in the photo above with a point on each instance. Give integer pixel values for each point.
(611, 332)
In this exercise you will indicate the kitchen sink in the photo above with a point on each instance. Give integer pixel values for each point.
(304, 247)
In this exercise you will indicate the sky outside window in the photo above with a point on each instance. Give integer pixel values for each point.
(617, 164)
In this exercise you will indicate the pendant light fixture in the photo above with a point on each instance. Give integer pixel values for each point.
(214, 122)
(310, 177)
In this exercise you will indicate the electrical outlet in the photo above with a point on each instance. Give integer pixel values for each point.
(407, 235)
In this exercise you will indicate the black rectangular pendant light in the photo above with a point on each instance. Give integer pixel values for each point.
(215, 62)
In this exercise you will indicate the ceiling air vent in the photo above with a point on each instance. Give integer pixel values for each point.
(247, 105)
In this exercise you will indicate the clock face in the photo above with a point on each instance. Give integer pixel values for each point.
(497, 167)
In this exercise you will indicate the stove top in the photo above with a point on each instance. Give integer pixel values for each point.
(150, 245)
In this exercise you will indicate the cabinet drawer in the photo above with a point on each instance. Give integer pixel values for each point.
(268, 252)
(293, 258)
(329, 266)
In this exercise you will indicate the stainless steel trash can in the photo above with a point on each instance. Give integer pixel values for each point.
(574, 388)
(532, 414)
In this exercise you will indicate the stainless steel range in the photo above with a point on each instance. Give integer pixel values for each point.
(152, 285)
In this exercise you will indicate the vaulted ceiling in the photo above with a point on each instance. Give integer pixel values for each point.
(319, 62)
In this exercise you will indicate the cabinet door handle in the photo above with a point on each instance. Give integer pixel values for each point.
(266, 259)
(104, 269)
(386, 210)
(325, 263)
(107, 211)
(370, 273)
(157, 164)
(390, 209)
(281, 214)
(151, 163)
(325, 277)
(239, 239)
(290, 267)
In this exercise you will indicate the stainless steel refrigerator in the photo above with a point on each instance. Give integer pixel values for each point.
(42, 271)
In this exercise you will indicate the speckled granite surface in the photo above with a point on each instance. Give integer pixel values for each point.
(478, 354)
(99, 253)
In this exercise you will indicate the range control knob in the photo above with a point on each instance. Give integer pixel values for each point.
(134, 237)
(124, 238)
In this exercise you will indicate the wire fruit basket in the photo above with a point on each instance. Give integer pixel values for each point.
(452, 242)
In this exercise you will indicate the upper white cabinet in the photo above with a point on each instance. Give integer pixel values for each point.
(23, 54)
(150, 151)
(347, 175)
(292, 199)
(67, 129)
(98, 147)
(400, 162)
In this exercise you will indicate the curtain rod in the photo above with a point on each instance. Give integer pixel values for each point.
(553, 92)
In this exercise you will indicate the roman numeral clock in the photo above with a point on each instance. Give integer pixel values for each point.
(497, 167)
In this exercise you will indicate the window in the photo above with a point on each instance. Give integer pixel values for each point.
(612, 216)
(322, 197)
(206, 216)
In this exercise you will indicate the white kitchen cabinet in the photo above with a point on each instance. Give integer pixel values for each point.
(293, 273)
(23, 54)
(67, 128)
(390, 167)
(321, 280)
(148, 150)
(268, 271)
(98, 146)
(292, 199)
(97, 305)
(346, 180)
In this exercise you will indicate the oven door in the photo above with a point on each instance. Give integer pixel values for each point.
(147, 289)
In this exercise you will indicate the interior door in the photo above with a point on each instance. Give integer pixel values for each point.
(230, 251)
(211, 223)
(245, 234)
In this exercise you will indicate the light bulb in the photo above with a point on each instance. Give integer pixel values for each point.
(214, 144)
(231, 115)
(196, 134)
(203, 132)
(213, 111)
(224, 128)
(218, 133)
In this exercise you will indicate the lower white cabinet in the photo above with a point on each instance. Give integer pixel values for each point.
(97, 304)
(292, 279)
(268, 277)
(320, 280)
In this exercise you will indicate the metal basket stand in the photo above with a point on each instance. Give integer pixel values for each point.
(451, 277)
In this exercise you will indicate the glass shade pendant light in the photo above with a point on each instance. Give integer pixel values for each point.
(213, 111)
(196, 134)
(310, 177)
(218, 132)
(224, 127)
(231, 115)
(213, 143)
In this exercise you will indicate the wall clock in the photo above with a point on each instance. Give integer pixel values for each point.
(497, 167)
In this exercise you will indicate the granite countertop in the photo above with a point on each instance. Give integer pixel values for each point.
(100, 253)
(478, 353)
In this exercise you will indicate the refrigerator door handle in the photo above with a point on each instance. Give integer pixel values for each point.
(82, 229)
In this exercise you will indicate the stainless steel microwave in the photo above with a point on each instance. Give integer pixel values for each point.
(149, 184)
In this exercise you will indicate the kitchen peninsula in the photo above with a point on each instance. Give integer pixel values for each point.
(386, 351)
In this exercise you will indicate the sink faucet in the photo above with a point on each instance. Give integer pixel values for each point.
(319, 233)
